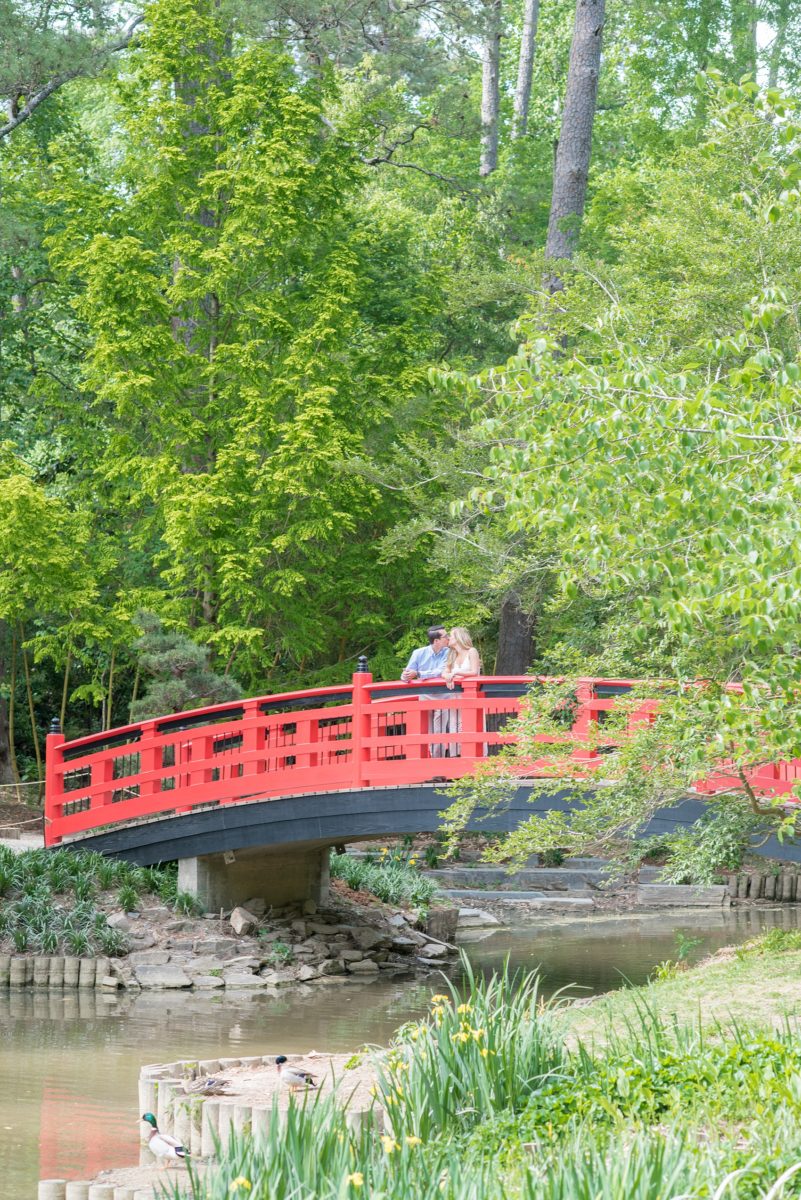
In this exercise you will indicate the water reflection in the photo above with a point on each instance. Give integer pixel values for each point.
(70, 1062)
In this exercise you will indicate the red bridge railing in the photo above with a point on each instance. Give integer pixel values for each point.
(363, 734)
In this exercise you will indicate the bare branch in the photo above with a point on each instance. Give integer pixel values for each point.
(21, 114)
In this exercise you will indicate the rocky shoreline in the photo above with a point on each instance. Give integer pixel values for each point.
(255, 948)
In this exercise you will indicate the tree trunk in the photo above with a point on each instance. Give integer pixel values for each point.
(490, 88)
(6, 749)
(575, 137)
(779, 43)
(110, 690)
(525, 67)
(744, 37)
(37, 749)
(65, 689)
(515, 638)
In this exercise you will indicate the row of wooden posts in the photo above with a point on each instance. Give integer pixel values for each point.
(201, 1124)
(748, 885)
(55, 971)
(62, 1189)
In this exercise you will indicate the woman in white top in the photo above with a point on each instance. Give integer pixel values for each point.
(463, 662)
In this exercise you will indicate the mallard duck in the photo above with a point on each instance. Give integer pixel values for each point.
(294, 1078)
(207, 1085)
(164, 1147)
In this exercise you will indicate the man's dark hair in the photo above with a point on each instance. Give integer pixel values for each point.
(434, 632)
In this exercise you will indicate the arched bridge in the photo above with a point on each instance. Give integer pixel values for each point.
(249, 796)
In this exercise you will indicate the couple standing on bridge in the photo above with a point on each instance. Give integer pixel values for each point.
(451, 657)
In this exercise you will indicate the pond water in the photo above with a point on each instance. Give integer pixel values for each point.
(69, 1063)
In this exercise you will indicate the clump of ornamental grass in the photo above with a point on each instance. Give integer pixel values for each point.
(309, 1152)
(484, 1048)
(391, 876)
(49, 900)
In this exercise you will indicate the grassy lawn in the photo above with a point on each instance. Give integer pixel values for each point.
(755, 987)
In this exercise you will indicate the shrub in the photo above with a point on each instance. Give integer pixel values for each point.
(392, 878)
(480, 1051)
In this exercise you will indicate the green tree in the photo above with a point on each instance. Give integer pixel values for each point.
(668, 491)
(178, 673)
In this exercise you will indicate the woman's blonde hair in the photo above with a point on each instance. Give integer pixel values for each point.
(462, 636)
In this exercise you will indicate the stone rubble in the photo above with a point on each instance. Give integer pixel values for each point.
(254, 948)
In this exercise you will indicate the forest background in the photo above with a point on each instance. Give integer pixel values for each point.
(322, 321)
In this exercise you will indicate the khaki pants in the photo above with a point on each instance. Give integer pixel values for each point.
(446, 720)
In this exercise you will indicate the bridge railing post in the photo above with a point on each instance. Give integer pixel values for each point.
(472, 713)
(360, 729)
(54, 781)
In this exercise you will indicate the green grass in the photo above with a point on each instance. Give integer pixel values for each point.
(392, 877)
(49, 900)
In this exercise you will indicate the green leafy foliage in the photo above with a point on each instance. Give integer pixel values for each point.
(52, 901)
(393, 877)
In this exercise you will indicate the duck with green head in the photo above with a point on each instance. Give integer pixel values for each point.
(166, 1149)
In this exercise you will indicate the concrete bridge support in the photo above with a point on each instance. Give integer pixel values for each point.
(279, 875)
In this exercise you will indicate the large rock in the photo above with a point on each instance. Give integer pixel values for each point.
(149, 958)
(243, 922)
(305, 972)
(119, 920)
(242, 979)
(476, 918)
(280, 978)
(156, 912)
(207, 982)
(167, 976)
(214, 946)
(434, 950)
(364, 966)
(441, 923)
(142, 939)
(403, 945)
(369, 939)
(203, 964)
(246, 963)
(257, 906)
(332, 966)
(350, 956)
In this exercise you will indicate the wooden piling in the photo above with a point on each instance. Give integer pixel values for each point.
(72, 968)
(20, 972)
(57, 972)
(226, 1124)
(52, 1189)
(209, 1127)
(242, 1123)
(86, 973)
(770, 887)
(77, 1190)
(260, 1116)
(41, 972)
(5, 969)
(101, 1191)
(148, 1097)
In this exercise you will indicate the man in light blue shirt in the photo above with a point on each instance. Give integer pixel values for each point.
(428, 661)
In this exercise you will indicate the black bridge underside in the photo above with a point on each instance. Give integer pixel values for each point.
(334, 818)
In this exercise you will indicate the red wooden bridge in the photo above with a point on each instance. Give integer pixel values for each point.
(302, 770)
